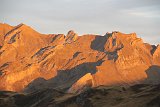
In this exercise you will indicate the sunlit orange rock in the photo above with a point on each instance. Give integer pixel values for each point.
(4, 28)
(156, 56)
(83, 82)
(72, 62)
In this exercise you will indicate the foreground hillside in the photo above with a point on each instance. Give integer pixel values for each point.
(135, 96)
(30, 61)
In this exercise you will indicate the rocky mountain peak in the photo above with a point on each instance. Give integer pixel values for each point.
(72, 62)
(71, 36)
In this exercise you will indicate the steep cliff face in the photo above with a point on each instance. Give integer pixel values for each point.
(72, 62)
(20, 43)
(71, 37)
(156, 56)
(4, 28)
(127, 61)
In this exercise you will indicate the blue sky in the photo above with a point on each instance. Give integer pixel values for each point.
(86, 16)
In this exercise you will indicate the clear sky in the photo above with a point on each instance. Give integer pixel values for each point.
(86, 16)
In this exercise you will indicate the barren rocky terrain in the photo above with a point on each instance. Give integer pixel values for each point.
(57, 70)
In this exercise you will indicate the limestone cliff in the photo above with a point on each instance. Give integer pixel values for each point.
(29, 59)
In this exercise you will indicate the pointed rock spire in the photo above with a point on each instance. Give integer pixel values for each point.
(71, 37)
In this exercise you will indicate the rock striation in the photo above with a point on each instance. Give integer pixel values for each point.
(31, 61)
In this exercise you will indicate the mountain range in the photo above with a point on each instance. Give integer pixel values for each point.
(69, 67)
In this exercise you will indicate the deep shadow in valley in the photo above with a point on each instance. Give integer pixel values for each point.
(65, 78)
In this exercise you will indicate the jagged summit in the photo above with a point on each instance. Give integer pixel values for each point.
(71, 32)
(72, 62)
(21, 28)
(71, 36)
(24, 26)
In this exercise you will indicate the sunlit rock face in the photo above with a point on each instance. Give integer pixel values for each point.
(30, 60)
(83, 83)
(4, 28)
(127, 61)
(156, 55)
(71, 37)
